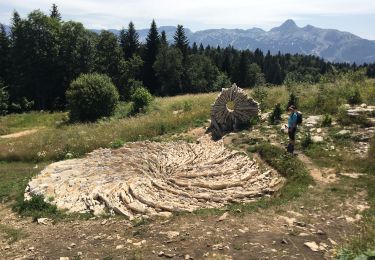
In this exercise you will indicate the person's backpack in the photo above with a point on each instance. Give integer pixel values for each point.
(299, 118)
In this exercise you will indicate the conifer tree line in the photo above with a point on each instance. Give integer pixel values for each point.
(42, 55)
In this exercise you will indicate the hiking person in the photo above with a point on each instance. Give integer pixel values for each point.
(292, 127)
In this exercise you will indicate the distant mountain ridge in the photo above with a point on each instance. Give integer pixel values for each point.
(330, 44)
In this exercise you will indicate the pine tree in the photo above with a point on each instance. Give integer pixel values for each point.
(194, 49)
(163, 39)
(243, 70)
(226, 66)
(4, 54)
(129, 41)
(201, 48)
(55, 12)
(151, 50)
(181, 41)
(109, 56)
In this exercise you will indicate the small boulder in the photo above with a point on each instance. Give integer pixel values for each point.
(317, 139)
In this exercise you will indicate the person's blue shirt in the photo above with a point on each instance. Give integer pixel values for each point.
(292, 120)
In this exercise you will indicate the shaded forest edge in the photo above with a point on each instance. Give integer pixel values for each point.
(42, 55)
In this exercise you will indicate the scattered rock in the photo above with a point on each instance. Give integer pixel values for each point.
(165, 214)
(289, 221)
(343, 132)
(171, 234)
(312, 245)
(317, 139)
(352, 175)
(223, 217)
(284, 241)
(332, 241)
(31, 248)
(64, 258)
(44, 221)
(301, 224)
(161, 253)
(119, 246)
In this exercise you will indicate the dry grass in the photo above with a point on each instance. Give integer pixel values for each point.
(73, 140)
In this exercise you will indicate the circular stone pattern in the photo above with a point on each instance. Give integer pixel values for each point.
(151, 178)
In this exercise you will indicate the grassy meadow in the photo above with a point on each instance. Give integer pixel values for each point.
(56, 139)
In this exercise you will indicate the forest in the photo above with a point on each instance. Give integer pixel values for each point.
(42, 55)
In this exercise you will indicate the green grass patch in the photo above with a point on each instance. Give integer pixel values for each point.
(362, 245)
(11, 234)
(14, 178)
(36, 208)
(18, 122)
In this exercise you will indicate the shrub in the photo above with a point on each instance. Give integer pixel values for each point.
(116, 143)
(222, 81)
(306, 141)
(260, 94)
(275, 116)
(326, 121)
(35, 207)
(4, 96)
(91, 96)
(354, 97)
(141, 99)
(292, 101)
(371, 151)
(188, 105)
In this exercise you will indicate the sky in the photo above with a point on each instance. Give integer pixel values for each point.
(355, 16)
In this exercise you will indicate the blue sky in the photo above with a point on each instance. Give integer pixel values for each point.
(356, 16)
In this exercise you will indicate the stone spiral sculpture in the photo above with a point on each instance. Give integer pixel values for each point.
(224, 118)
(152, 178)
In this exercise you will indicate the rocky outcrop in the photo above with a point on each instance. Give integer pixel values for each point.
(151, 178)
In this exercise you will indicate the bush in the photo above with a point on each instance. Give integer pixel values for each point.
(354, 97)
(275, 116)
(4, 96)
(260, 94)
(306, 141)
(326, 121)
(292, 101)
(36, 207)
(141, 99)
(222, 81)
(91, 96)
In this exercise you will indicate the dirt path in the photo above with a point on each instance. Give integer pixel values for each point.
(21, 133)
(321, 176)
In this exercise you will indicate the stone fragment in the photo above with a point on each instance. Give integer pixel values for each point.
(224, 216)
(312, 245)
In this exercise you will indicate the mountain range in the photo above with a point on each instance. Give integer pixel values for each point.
(330, 44)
